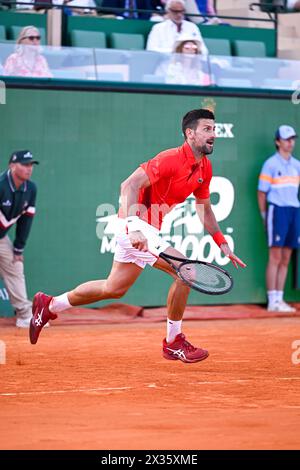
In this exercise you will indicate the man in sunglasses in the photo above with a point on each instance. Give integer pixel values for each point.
(163, 36)
(17, 207)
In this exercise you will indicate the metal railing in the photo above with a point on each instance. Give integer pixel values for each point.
(105, 10)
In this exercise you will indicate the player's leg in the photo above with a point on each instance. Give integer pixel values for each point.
(275, 255)
(120, 279)
(277, 229)
(175, 346)
(179, 292)
(283, 268)
(281, 278)
(45, 307)
(13, 276)
(291, 241)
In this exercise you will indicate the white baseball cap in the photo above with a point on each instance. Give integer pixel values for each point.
(285, 132)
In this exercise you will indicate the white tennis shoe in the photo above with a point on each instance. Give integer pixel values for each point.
(284, 307)
(281, 307)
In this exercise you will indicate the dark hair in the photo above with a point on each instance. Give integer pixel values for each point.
(190, 120)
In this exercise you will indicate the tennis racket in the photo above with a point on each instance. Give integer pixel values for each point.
(201, 276)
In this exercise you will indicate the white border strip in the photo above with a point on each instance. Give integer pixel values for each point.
(75, 390)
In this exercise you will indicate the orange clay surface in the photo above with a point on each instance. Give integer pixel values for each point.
(101, 386)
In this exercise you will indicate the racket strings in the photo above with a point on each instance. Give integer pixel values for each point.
(205, 277)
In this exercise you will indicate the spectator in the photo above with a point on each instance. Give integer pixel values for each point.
(293, 5)
(186, 65)
(202, 7)
(17, 199)
(26, 5)
(163, 35)
(80, 7)
(278, 187)
(27, 61)
(280, 5)
(132, 4)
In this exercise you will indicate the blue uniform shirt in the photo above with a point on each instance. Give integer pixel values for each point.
(279, 178)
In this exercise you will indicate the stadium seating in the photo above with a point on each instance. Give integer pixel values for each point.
(127, 41)
(218, 46)
(94, 39)
(2, 33)
(249, 48)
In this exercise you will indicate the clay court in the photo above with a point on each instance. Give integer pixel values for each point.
(106, 386)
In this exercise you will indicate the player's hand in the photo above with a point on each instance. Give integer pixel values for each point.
(18, 258)
(233, 258)
(138, 240)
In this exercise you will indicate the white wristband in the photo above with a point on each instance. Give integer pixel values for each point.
(133, 223)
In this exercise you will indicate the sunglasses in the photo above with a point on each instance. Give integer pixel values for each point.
(177, 11)
(32, 38)
(189, 46)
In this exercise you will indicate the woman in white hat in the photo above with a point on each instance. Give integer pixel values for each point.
(186, 66)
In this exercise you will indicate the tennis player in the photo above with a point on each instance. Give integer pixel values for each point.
(147, 196)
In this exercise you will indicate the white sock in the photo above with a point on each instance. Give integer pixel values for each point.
(279, 296)
(272, 297)
(173, 329)
(59, 303)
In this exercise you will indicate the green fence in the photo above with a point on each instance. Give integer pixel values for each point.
(5, 307)
(89, 141)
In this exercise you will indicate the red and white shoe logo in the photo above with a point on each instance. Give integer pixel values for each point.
(39, 321)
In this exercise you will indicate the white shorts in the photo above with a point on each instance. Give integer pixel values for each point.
(126, 253)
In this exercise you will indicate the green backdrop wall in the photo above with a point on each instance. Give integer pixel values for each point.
(88, 142)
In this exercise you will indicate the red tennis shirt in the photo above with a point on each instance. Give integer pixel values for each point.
(174, 175)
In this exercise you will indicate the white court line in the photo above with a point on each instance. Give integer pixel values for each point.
(207, 382)
(236, 361)
(288, 378)
(75, 390)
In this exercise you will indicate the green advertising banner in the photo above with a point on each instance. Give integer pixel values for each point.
(5, 307)
(89, 142)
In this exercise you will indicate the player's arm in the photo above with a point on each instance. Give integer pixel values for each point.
(262, 203)
(23, 227)
(130, 189)
(265, 181)
(208, 219)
